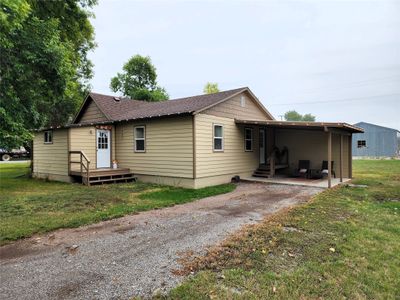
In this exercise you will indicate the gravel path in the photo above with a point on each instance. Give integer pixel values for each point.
(133, 255)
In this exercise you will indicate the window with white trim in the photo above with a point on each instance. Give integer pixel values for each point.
(218, 140)
(48, 137)
(140, 138)
(248, 139)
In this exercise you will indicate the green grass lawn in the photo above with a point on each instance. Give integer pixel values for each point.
(29, 206)
(345, 243)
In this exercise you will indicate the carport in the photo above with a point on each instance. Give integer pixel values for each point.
(312, 141)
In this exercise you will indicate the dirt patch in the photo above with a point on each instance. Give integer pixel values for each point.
(68, 289)
(258, 202)
(122, 229)
(18, 250)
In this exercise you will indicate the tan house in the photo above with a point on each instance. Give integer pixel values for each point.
(191, 142)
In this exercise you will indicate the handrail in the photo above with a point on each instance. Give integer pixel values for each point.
(79, 152)
(85, 156)
(83, 165)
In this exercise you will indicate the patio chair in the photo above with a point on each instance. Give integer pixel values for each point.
(324, 168)
(303, 169)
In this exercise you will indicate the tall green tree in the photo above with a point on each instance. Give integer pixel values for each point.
(293, 115)
(309, 118)
(138, 80)
(210, 88)
(44, 69)
(75, 28)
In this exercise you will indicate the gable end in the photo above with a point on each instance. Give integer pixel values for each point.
(244, 106)
(90, 113)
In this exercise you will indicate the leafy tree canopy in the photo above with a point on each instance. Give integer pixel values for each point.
(139, 80)
(309, 118)
(44, 68)
(210, 88)
(293, 115)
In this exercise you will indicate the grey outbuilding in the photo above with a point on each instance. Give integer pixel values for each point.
(376, 141)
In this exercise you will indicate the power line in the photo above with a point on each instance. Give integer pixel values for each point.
(336, 100)
(351, 85)
(363, 82)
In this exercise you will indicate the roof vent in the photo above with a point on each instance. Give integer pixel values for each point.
(117, 99)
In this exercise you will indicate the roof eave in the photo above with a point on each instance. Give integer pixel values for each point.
(80, 109)
(260, 104)
(246, 89)
(72, 125)
(294, 124)
(89, 95)
(218, 102)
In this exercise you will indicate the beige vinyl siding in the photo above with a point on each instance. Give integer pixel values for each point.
(168, 180)
(232, 108)
(234, 159)
(215, 180)
(51, 160)
(169, 147)
(92, 114)
(313, 146)
(83, 139)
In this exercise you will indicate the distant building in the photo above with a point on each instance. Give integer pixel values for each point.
(376, 141)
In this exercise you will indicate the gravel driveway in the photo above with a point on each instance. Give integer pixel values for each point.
(133, 255)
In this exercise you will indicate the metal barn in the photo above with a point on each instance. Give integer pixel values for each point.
(376, 141)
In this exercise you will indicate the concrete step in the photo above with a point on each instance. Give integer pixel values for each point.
(261, 175)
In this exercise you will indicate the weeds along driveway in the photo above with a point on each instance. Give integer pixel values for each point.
(134, 255)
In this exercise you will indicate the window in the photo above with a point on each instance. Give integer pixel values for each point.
(48, 137)
(102, 140)
(140, 138)
(242, 101)
(361, 144)
(218, 138)
(248, 139)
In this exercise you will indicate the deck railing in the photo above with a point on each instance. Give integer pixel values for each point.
(84, 164)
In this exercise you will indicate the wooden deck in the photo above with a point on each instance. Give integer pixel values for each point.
(103, 171)
(104, 175)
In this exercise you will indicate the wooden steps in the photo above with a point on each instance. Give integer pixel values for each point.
(109, 179)
(262, 173)
(101, 176)
(265, 171)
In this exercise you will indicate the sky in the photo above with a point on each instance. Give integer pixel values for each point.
(338, 60)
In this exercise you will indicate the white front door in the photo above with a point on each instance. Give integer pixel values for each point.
(262, 146)
(103, 148)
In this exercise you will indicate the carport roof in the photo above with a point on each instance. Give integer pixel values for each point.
(303, 125)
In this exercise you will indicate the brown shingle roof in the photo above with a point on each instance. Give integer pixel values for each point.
(128, 109)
